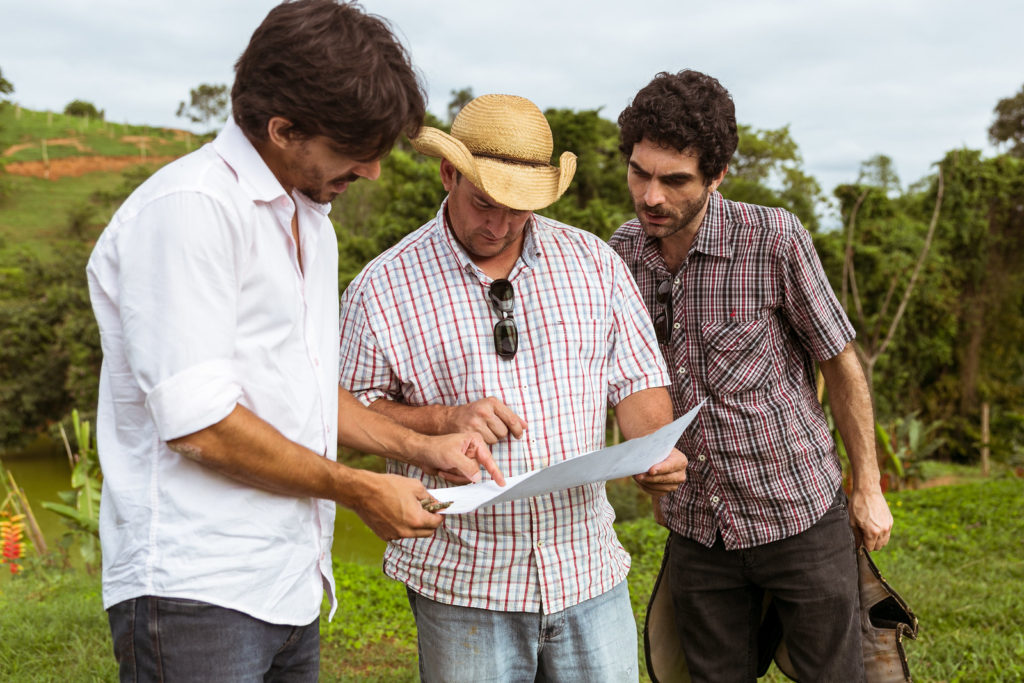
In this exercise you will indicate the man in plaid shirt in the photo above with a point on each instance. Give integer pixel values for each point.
(494, 319)
(743, 310)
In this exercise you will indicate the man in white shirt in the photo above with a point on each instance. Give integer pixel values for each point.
(215, 289)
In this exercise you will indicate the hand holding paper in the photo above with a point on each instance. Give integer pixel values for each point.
(622, 460)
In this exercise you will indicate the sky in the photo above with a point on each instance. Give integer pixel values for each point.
(911, 79)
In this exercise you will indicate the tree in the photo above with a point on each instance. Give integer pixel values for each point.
(1009, 124)
(879, 171)
(83, 109)
(983, 232)
(598, 199)
(371, 217)
(5, 85)
(49, 345)
(767, 169)
(460, 98)
(207, 103)
(878, 335)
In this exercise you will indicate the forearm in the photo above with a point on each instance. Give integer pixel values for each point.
(640, 414)
(644, 412)
(432, 419)
(854, 417)
(246, 448)
(378, 431)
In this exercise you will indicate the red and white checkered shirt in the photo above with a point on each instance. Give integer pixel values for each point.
(752, 312)
(417, 327)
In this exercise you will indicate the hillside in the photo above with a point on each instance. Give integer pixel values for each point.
(57, 172)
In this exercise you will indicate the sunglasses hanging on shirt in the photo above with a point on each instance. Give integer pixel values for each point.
(506, 335)
(663, 320)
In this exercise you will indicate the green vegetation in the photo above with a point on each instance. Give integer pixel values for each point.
(207, 104)
(936, 357)
(83, 109)
(81, 505)
(957, 557)
(71, 135)
(1008, 127)
(938, 346)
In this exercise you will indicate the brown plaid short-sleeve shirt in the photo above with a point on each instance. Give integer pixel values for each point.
(752, 311)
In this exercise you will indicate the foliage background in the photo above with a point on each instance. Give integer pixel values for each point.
(955, 348)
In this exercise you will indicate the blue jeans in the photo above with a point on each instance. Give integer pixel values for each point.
(171, 639)
(718, 596)
(593, 641)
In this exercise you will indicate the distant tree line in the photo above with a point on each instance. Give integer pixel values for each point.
(931, 274)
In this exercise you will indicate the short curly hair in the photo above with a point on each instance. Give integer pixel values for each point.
(687, 110)
(331, 70)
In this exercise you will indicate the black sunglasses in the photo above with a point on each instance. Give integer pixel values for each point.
(663, 321)
(506, 336)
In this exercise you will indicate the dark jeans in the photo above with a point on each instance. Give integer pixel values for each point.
(718, 596)
(170, 639)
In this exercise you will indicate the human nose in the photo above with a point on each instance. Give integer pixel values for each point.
(653, 194)
(369, 170)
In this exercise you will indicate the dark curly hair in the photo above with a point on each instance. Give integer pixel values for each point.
(687, 110)
(331, 70)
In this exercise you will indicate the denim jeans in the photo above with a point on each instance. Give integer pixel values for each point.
(718, 596)
(593, 641)
(171, 639)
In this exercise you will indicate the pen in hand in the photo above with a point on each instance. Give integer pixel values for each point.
(434, 505)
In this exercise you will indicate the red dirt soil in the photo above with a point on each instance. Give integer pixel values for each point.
(77, 166)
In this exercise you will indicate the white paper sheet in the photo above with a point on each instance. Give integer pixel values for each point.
(622, 460)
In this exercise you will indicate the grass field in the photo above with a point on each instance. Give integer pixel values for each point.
(66, 136)
(957, 556)
(54, 167)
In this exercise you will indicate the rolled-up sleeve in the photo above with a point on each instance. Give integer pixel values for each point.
(178, 309)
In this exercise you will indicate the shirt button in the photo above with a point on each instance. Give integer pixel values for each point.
(714, 499)
(701, 458)
(681, 371)
(540, 543)
(676, 326)
(677, 281)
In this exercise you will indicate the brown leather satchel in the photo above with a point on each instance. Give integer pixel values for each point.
(886, 620)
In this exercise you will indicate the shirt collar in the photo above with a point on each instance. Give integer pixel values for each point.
(713, 236)
(254, 176)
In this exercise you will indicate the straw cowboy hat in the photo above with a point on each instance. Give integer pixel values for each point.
(886, 620)
(503, 145)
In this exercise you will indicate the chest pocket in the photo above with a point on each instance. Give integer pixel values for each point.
(738, 355)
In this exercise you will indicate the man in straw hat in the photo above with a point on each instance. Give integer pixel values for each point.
(495, 319)
(215, 289)
(743, 311)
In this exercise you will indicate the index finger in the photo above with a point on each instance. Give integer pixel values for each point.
(479, 452)
(515, 424)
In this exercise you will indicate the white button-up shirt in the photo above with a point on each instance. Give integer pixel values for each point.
(201, 305)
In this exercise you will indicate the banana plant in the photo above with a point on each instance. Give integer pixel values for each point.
(81, 505)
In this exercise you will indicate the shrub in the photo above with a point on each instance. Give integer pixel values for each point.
(83, 109)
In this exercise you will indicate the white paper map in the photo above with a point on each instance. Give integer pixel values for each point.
(622, 460)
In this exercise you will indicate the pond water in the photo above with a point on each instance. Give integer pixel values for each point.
(43, 472)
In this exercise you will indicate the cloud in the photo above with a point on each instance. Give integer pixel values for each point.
(911, 79)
